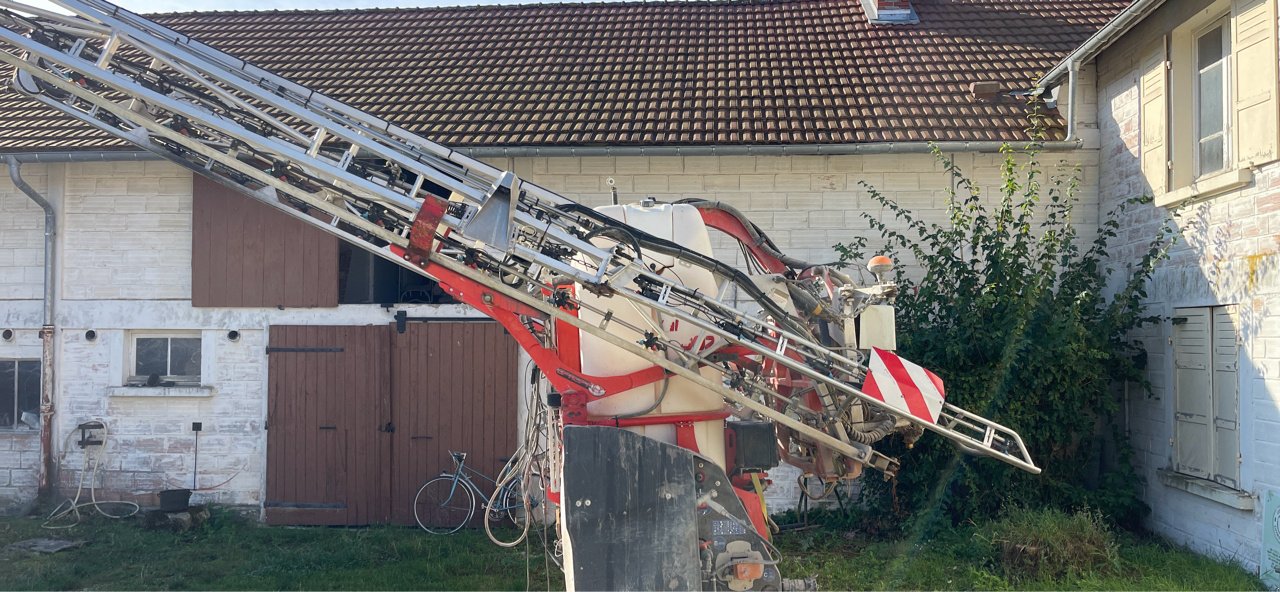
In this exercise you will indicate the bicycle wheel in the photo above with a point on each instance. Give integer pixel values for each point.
(537, 496)
(510, 505)
(443, 505)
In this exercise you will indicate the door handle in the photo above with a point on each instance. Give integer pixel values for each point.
(419, 437)
(390, 428)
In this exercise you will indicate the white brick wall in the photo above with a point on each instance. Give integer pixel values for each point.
(22, 237)
(126, 231)
(1227, 254)
(150, 442)
(805, 203)
(19, 448)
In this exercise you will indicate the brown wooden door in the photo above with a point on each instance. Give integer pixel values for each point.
(328, 407)
(360, 417)
(454, 387)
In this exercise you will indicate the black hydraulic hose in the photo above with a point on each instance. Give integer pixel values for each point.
(666, 247)
(758, 236)
(882, 428)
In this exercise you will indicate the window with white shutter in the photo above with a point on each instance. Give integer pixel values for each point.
(1206, 441)
(1214, 80)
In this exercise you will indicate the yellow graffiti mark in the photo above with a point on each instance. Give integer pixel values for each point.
(1255, 263)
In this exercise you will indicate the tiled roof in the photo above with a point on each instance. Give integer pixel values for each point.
(645, 74)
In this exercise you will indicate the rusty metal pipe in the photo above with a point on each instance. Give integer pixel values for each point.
(47, 326)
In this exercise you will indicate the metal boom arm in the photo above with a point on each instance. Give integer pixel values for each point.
(504, 246)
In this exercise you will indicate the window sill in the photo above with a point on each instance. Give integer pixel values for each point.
(19, 432)
(172, 392)
(1207, 489)
(1207, 187)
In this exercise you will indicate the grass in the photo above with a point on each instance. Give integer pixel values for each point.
(230, 553)
(1025, 550)
(233, 554)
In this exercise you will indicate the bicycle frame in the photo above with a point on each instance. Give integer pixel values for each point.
(460, 475)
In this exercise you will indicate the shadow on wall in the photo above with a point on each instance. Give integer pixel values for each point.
(1227, 254)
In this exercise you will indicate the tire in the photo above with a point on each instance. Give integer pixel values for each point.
(443, 505)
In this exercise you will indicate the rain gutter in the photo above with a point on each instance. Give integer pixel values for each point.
(759, 150)
(1100, 40)
(570, 151)
(79, 156)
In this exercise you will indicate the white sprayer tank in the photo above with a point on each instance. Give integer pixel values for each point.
(681, 224)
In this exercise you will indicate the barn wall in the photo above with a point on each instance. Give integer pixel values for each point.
(125, 265)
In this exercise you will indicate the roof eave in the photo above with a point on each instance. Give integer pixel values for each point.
(1100, 40)
(992, 146)
(765, 150)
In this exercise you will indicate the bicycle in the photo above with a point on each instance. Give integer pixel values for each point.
(448, 502)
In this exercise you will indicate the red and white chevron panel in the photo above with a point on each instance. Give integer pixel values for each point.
(904, 386)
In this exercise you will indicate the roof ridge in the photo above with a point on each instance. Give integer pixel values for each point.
(494, 6)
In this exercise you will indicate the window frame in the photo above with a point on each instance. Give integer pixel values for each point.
(17, 419)
(131, 357)
(1225, 66)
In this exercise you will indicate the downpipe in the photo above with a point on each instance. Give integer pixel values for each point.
(46, 329)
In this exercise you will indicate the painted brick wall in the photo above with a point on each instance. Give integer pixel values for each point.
(19, 448)
(150, 444)
(1227, 254)
(805, 203)
(22, 237)
(127, 231)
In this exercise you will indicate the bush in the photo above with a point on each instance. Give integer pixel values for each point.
(1008, 308)
(1052, 544)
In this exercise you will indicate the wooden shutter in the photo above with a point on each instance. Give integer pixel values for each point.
(1193, 388)
(1253, 92)
(1226, 397)
(247, 254)
(1153, 118)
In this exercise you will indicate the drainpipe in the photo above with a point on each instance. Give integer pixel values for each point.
(1073, 85)
(46, 330)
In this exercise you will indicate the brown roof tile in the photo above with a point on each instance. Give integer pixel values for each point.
(631, 74)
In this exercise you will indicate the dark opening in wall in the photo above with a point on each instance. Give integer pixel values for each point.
(365, 278)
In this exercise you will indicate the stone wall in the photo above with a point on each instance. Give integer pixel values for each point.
(1228, 253)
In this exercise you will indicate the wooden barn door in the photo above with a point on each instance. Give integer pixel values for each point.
(327, 441)
(453, 388)
(360, 417)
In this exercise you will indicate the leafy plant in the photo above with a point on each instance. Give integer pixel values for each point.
(1010, 307)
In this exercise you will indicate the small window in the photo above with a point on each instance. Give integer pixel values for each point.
(19, 394)
(1212, 47)
(165, 360)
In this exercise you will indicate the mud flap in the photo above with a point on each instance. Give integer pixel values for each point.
(644, 515)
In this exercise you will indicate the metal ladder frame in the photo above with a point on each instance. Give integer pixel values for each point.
(450, 253)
